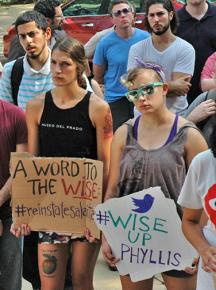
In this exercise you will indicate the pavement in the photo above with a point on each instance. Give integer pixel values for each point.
(104, 279)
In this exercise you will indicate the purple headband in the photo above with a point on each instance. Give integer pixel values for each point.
(157, 68)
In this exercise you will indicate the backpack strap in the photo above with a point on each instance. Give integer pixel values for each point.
(16, 77)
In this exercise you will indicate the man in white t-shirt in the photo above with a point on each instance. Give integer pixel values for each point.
(175, 55)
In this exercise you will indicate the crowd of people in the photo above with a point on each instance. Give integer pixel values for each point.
(141, 112)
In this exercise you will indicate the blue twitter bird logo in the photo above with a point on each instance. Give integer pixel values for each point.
(143, 205)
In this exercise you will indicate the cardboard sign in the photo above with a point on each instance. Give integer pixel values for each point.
(144, 232)
(56, 194)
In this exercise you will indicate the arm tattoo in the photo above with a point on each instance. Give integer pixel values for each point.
(108, 126)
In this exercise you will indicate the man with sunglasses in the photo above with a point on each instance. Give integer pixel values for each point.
(110, 60)
(175, 55)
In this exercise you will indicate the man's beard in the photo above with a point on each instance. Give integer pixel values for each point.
(35, 56)
(160, 32)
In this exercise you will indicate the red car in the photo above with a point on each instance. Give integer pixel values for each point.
(84, 18)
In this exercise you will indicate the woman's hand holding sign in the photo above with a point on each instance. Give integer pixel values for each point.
(22, 230)
(107, 253)
(208, 255)
(88, 235)
(194, 267)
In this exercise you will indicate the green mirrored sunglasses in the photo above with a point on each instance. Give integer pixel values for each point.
(147, 90)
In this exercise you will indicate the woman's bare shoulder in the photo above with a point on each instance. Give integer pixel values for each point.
(97, 102)
(37, 101)
(36, 105)
(98, 108)
(182, 122)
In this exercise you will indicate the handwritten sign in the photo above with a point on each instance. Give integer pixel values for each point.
(144, 232)
(56, 194)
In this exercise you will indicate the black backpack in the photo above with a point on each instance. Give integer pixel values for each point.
(16, 77)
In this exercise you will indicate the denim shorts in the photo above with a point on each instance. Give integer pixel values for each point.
(54, 238)
(177, 274)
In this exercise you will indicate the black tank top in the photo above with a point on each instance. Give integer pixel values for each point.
(67, 132)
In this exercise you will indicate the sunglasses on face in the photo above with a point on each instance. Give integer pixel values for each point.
(148, 90)
(118, 13)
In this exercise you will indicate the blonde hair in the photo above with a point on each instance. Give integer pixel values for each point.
(127, 79)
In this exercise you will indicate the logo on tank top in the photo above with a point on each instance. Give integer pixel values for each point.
(60, 126)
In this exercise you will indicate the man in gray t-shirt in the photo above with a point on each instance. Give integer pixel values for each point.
(175, 55)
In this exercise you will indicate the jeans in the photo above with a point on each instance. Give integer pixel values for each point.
(10, 259)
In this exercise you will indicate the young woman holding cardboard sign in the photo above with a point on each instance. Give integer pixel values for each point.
(154, 149)
(68, 121)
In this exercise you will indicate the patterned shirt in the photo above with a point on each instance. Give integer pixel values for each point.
(33, 82)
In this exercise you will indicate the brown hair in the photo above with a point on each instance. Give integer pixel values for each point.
(116, 2)
(76, 52)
